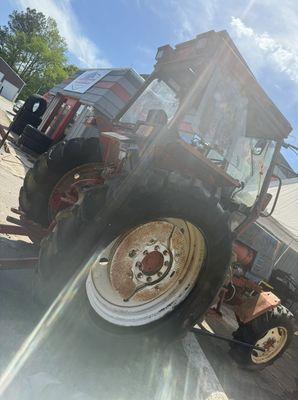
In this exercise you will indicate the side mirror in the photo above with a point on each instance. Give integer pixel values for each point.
(268, 198)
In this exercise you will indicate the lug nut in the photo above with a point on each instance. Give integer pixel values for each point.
(156, 248)
(139, 275)
(132, 253)
(152, 240)
(166, 263)
(145, 252)
(159, 273)
(149, 279)
(138, 264)
(165, 252)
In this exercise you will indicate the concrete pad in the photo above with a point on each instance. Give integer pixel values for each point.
(80, 360)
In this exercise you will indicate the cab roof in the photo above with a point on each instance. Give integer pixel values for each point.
(217, 50)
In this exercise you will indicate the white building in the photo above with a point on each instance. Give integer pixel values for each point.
(283, 224)
(10, 82)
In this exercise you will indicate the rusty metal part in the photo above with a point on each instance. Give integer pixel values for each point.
(269, 343)
(144, 240)
(24, 227)
(242, 282)
(152, 263)
(273, 342)
(122, 294)
(67, 191)
(254, 306)
(13, 230)
(191, 162)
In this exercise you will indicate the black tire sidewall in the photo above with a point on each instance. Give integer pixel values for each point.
(78, 242)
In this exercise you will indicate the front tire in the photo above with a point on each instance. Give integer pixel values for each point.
(272, 331)
(95, 225)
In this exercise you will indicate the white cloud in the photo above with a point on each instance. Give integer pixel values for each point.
(84, 49)
(284, 58)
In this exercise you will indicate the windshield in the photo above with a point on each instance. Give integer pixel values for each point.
(250, 168)
(158, 96)
(242, 163)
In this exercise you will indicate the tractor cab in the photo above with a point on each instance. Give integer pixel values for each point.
(202, 113)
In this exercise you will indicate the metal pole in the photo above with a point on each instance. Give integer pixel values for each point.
(5, 136)
(216, 336)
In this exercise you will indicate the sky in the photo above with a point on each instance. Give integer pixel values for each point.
(126, 33)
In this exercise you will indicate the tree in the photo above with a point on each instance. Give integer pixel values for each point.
(31, 44)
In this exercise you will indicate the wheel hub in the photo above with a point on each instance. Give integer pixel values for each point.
(269, 344)
(70, 187)
(144, 257)
(152, 263)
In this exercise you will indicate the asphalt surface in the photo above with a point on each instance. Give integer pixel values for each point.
(67, 355)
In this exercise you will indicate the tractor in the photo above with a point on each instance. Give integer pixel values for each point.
(152, 210)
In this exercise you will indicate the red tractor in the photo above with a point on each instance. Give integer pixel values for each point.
(150, 211)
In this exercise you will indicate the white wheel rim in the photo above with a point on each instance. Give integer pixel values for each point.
(149, 271)
(273, 342)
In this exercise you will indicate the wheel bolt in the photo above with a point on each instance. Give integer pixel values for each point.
(165, 253)
(139, 275)
(166, 263)
(145, 252)
(132, 253)
(149, 279)
(156, 248)
(138, 264)
(159, 273)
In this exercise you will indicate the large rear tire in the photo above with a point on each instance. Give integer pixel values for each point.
(80, 233)
(41, 179)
